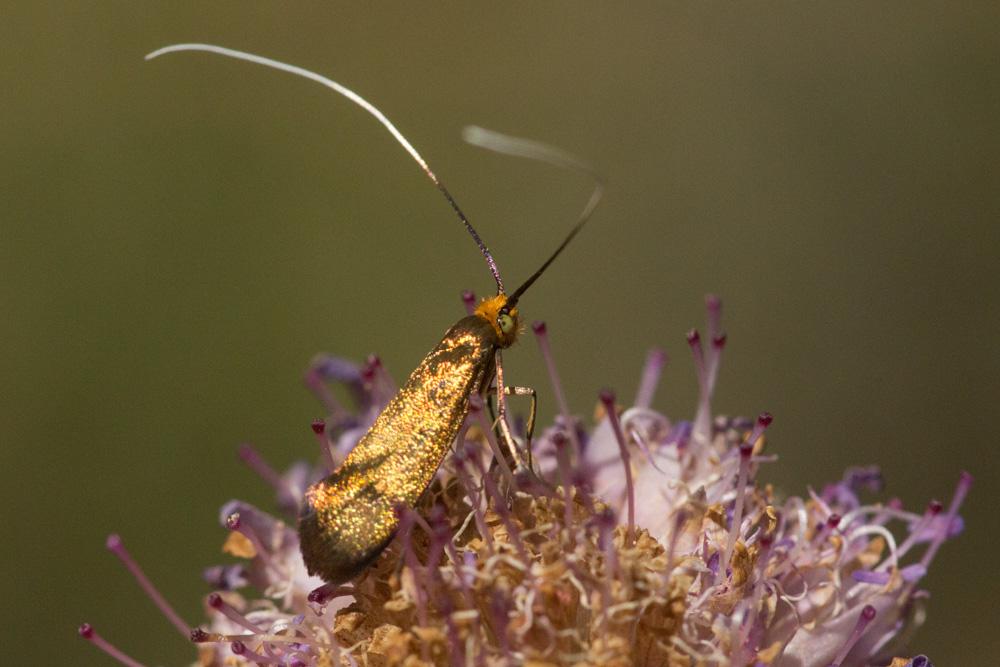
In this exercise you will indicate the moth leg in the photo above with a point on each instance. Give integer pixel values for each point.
(526, 475)
(501, 416)
(532, 411)
(524, 465)
(513, 390)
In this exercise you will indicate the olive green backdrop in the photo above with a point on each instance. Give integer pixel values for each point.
(180, 237)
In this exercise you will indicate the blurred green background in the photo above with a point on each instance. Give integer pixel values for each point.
(181, 237)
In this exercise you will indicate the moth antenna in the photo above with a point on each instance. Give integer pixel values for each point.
(536, 150)
(361, 102)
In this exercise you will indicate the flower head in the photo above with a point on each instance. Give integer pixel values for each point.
(640, 541)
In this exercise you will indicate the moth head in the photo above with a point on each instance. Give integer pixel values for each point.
(502, 316)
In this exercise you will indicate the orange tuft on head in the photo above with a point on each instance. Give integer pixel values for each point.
(502, 318)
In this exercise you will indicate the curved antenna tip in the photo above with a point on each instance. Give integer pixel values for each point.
(191, 46)
(359, 101)
(542, 152)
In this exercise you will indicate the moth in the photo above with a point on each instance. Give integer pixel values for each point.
(348, 518)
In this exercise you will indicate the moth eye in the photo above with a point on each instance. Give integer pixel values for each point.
(506, 323)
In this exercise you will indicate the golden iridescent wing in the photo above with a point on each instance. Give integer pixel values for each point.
(349, 517)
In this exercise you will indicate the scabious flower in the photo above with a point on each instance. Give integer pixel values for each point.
(640, 541)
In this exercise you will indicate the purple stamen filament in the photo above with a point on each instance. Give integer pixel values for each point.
(656, 359)
(500, 507)
(233, 523)
(252, 458)
(476, 499)
(115, 545)
(469, 299)
(87, 632)
(314, 382)
(964, 484)
(542, 336)
(323, 594)
(410, 558)
(746, 450)
(476, 407)
(325, 449)
(216, 602)
(566, 481)
(608, 400)
(864, 619)
(241, 649)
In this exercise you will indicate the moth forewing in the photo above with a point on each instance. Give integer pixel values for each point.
(349, 517)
